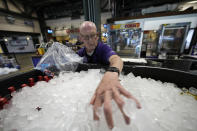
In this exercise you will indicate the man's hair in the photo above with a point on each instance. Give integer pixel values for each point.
(86, 25)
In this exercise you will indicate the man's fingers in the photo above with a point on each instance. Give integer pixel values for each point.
(93, 99)
(97, 104)
(126, 118)
(119, 101)
(108, 109)
(128, 95)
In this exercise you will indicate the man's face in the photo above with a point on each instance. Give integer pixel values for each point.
(89, 38)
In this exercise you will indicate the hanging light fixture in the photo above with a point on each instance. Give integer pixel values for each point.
(192, 2)
(6, 39)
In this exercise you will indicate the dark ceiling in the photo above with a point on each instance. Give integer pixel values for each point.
(52, 9)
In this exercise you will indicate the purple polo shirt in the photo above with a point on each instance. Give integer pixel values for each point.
(101, 54)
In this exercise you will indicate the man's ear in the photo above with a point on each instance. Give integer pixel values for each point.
(80, 38)
(97, 38)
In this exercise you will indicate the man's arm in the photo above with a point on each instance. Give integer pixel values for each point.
(110, 88)
(116, 61)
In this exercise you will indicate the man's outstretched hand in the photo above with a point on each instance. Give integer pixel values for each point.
(110, 88)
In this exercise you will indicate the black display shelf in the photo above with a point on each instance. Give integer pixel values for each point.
(17, 80)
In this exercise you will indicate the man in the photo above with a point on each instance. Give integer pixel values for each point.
(109, 88)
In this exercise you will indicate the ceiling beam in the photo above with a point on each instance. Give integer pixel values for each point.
(45, 2)
(152, 15)
(5, 4)
(144, 4)
(13, 2)
(17, 14)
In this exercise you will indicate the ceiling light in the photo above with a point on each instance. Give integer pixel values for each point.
(192, 2)
(27, 38)
(5, 39)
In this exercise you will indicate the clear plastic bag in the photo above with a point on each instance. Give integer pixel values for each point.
(59, 58)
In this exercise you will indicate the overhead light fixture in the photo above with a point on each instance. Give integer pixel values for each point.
(27, 38)
(192, 2)
(5, 39)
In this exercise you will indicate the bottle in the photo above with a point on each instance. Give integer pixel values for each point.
(46, 78)
(31, 82)
(11, 89)
(40, 78)
(3, 101)
(23, 85)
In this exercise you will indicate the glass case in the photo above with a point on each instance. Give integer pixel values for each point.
(172, 38)
(149, 43)
(126, 41)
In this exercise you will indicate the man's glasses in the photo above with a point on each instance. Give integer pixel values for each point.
(87, 37)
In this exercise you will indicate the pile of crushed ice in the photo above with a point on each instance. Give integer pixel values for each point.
(62, 104)
(140, 60)
(7, 70)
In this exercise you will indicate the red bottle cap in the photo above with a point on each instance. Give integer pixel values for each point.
(3, 101)
(40, 78)
(31, 80)
(46, 78)
(31, 84)
(11, 89)
(23, 85)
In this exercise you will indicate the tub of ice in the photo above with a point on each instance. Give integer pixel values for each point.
(63, 103)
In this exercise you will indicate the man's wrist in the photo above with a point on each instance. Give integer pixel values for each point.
(113, 69)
